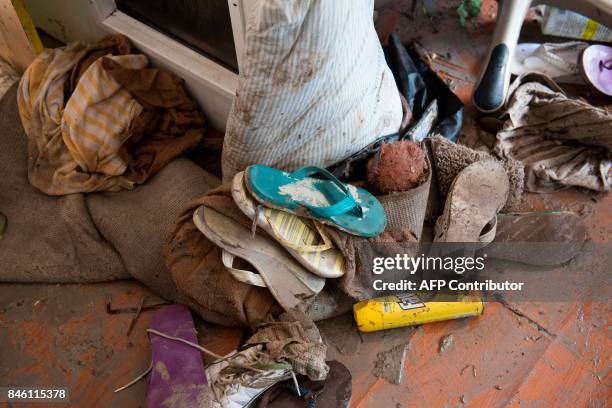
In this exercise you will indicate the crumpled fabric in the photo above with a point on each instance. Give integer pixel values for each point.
(562, 142)
(358, 280)
(196, 268)
(88, 131)
(294, 338)
(97, 118)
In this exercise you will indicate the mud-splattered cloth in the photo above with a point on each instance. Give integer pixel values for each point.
(294, 338)
(197, 270)
(97, 119)
(196, 267)
(561, 141)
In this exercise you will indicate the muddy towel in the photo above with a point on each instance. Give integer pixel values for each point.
(294, 338)
(196, 268)
(97, 119)
(561, 141)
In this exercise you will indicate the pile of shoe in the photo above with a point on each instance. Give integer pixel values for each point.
(295, 254)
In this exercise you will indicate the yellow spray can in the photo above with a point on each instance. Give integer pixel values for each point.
(411, 309)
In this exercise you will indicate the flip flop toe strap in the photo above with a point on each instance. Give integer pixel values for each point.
(347, 204)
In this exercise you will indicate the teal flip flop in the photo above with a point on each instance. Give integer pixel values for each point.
(326, 199)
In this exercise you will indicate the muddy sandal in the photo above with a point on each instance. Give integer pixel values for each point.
(475, 197)
(287, 280)
(303, 238)
(327, 200)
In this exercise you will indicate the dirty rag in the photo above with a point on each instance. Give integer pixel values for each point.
(358, 280)
(86, 131)
(294, 338)
(562, 142)
(97, 118)
(196, 267)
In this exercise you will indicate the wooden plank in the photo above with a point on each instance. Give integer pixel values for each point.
(14, 44)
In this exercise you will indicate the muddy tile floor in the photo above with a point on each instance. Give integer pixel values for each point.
(526, 354)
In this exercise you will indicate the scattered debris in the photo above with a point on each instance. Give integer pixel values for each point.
(446, 343)
(135, 380)
(124, 310)
(602, 374)
(389, 364)
(468, 9)
(530, 321)
(136, 315)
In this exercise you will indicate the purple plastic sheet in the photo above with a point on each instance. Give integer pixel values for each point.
(178, 377)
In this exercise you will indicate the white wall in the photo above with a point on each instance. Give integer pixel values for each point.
(70, 20)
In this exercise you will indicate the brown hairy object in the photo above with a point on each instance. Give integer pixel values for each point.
(396, 167)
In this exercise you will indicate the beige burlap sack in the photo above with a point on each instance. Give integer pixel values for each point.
(138, 222)
(107, 236)
(104, 236)
(196, 268)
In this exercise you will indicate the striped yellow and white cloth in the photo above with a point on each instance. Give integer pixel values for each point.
(78, 115)
(41, 100)
(98, 115)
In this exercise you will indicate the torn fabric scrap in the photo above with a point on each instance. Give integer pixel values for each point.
(562, 142)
